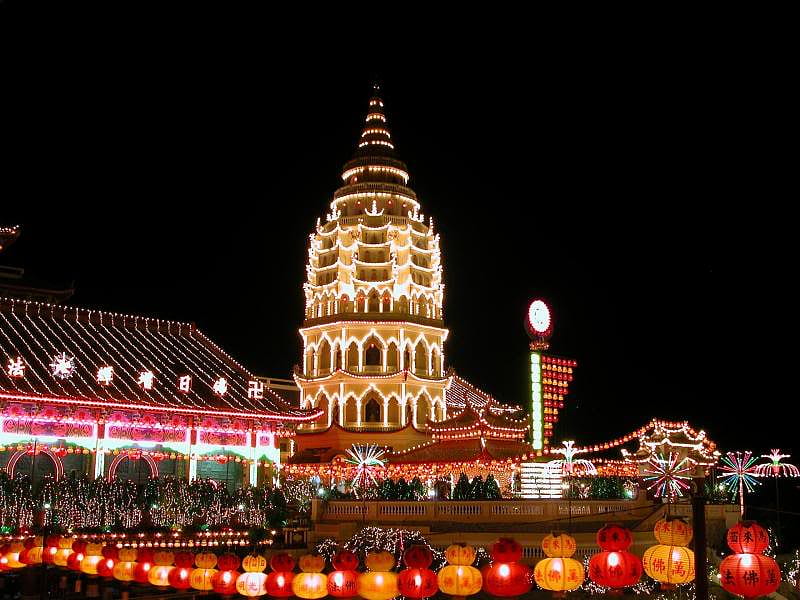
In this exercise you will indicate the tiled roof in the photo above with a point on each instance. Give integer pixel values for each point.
(462, 450)
(130, 344)
(462, 391)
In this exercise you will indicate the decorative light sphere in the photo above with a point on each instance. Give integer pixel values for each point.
(614, 538)
(179, 578)
(310, 585)
(202, 579)
(538, 319)
(615, 570)
(506, 550)
(558, 574)
(415, 582)
(124, 571)
(669, 564)
(252, 583)
(460, 580)
(504, 579)
(158, 575)
(749, 575)
(460, 554)
(378, 585)
(343, 583)
(105, 568)
(279, 584)
(558, 545)
(673, 532)
(747, 537)
(206, 560)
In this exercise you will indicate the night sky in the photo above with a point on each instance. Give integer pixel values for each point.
(634, 193)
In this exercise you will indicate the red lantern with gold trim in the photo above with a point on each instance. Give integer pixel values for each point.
(417, 581)
(503, 578)
(279, 582)
(224, 582)
(749, 575)
(747, 537)
(342, 581)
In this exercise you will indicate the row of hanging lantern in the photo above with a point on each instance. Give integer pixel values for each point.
(747, 572)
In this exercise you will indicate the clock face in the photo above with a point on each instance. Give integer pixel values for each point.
(539, 317)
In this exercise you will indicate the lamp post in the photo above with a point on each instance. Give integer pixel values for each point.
(699, 535)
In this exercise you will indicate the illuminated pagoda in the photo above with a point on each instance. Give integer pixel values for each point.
(93, 390)
(660, 440)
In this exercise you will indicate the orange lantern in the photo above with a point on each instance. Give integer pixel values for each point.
(460, 554)
(379, 583)
(279, 582)
(417, 581)
(559, 572)
(12, 555)
(669, 565)
(92, 557)
(254, 563)
(311, 584)
(459, 578)
(162, 567)
(125, 569)
(224, 582)
(64, 550)
(342, 581)
(673, 531)
(202, 579)
(206, 560)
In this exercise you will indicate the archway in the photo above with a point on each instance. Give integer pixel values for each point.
(132, 473)
(387, 302)
(423, 412)
(402, 304)
(393, 416)
(352, 357)
(324, 405)
(58, 472)
(372, 354)
(350, 411)
(420, 359)
(372, 411)
(391, 358)
(324, 357)
(374, 301)
(436, 362)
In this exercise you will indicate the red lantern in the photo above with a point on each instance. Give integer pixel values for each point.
(748, 537)
(75, 559)
(506, 579)
(144, 558)
(506, 550)
(279, 584)
(614, 538)
(615, 570)
(184, 559)
(343, 583)
(417, 583)
(105, 568)
(109, 551)
(749, 575)
(418, 557)
(224, 582)
(281, 562)
(228, 562)
(179, 576)
(344, 560)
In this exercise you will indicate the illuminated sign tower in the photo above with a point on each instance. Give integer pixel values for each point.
(550, 375)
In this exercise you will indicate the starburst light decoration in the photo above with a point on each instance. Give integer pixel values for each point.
(62, 366)
(569, 465)
(668, 476)
(367, 459)
(739, 474)
(776, 468)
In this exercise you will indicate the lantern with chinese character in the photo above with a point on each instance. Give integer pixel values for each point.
(749, 574)
(12, 555)
(342, 580)
(673, 532)
(224, 582)
(505, 576)
(162, 567)
(417, 581)
(311, 584)
(76, 558)
(105, 568)
(253, 581)
(64, 550)
(279, 582)
(33, 550)
(50, 549)
(617, 568)
(92, 557)
(179, 577)
(380, 583)
(202, 578)
(459, 578)
(670, 562)
(125, 568)
(144, 562)
(558, 572)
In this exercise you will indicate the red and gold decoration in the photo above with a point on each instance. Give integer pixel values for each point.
(417, 580)
(558, 572)
(311, 583)
(252, 583)
(125, 569)
(279, 581)
(224, 580)
(180, 575)
(343, 580)
(162, 567)
(615, 567)
(93, 554)
(202, 577)
(379, 583)
(105, 568)
(506, 576)
(748, 572)
(670, 562)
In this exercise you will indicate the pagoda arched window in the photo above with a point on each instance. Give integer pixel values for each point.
(436, 363)
(352, 357)
(420, 359)
(387, 302)
(402, 304)
(374, 301)
(324, 359)
(372, 355)
(423, 412)
(372, 411)
(391, 358)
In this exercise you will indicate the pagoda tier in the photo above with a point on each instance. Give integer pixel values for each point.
(462, 450)
(681, 439)
(481, 423)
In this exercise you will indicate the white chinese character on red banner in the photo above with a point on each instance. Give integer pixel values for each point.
(62, 366)
(16, 368)
(255, 389)
(105, 375)
(185, 383)
(221, 386)
(145, 380)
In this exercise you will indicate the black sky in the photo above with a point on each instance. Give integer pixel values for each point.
(636, 190)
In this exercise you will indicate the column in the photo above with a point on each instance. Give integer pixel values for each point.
(190, 452)
(99, 450)
(253, 476)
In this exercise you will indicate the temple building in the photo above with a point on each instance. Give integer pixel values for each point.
(373, 359)
(97, 392)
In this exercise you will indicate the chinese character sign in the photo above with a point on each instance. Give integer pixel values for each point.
(255, 389)
(16, 367)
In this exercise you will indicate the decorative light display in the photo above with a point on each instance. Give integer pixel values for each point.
(145, 380)
(253, 582)
(367, 460)
(62, 366)
(162, 567)
(417, 580)
(667, 476)
(125, 568)
(459, 578)
(16, 368)
(559, 572)
(670, 562)
(379, 582)
(615, 567)
(92, 556)
(179, 577)
(748, 572)
(105, 375)
(776, 467)
(224, 580)
(311, 584)
(255, 390)
(569, 465)
(220, 386)
(739, 472)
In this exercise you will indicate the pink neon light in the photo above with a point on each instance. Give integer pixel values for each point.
(12, 462)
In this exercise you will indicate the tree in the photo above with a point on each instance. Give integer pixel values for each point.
(462, 489)
(476, 491)
(491, 488)
(403, 492)
(417, 489)
(280, 509)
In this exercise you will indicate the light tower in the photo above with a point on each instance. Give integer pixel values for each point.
(550, 375)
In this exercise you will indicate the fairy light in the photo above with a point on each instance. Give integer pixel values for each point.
(739, 472)
(668, 476)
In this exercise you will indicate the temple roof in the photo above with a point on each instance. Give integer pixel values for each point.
(682, 439)
(8, 235)
(461, 392)
(39, 334)
(479, 422)
(462, 450)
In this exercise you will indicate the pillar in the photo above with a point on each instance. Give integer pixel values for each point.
(99, 458)
(190, 453)
(253, 475)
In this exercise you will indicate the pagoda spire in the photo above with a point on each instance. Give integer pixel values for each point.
(376, 139)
